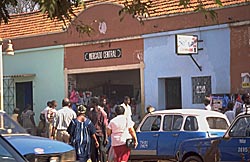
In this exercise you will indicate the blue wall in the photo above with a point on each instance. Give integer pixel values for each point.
(48, 66)
(162, 62)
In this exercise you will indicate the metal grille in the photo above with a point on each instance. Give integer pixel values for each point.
(201, 87)
(8, 95)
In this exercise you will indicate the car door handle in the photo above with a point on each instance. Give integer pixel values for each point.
(155, 135)
(175, 135)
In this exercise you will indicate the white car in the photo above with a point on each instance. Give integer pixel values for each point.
(161, 132)
(234, 146)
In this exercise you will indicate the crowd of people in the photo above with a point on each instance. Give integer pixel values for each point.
(90, 129)
(25, 119)
(233, 108)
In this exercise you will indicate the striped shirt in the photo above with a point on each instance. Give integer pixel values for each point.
(63, 118)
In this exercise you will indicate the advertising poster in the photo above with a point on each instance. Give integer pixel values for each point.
(245, 80)
(217, 102)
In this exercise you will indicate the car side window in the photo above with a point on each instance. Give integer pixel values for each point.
(167, 123)
(241, 128)
(178, 120)
(152, 123)
(217, 123)
(172, 122)
(191, 124)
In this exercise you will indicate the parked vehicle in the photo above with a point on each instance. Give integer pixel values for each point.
(34, 148)
(8, 153)
(234, 146)
(160, 133)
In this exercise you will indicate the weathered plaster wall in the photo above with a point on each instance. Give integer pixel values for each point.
(47, 65)
(161, 62)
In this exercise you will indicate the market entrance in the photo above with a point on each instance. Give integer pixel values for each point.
(114, 85)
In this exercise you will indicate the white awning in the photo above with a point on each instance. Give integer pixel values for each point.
(19, 75)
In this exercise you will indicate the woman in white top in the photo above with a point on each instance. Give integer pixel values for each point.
(121, 128)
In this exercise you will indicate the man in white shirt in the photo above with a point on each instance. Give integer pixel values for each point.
(42, 130)
(62, 121)
(207, 103)
(44, 112)
(125, 104)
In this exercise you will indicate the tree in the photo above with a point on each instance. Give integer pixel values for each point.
(23, 6)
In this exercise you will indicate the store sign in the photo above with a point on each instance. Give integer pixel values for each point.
(245, 80)
(100, 55)
(186, 44)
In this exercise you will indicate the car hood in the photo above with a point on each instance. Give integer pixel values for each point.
(27, 144)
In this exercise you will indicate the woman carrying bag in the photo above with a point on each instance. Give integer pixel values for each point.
(121, 130)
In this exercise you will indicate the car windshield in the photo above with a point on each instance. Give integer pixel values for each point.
(241, 128)
(9, 126)
(217, 123)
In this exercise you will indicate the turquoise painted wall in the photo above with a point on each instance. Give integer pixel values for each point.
(162, 62)
(48, 66)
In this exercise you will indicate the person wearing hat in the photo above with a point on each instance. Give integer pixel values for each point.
(82, 131)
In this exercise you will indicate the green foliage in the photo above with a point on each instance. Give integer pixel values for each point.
(185, 3)
(136, 8)
(82, 28)
(59, 9)
(218, 2)
(4, 14)
(201, 8)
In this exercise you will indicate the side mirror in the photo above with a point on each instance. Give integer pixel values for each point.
(226, 136)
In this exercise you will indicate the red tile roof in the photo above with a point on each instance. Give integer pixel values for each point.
(36, 23)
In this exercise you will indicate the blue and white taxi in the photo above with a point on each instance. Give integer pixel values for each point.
(161, 132)
(234, 146)
(34, 148)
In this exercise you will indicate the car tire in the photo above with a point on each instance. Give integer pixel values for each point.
(193, 159)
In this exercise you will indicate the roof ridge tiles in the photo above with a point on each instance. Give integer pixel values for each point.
(41, 24)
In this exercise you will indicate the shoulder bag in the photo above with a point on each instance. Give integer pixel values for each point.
(129, 141)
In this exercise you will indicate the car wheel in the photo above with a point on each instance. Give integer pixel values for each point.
(193, 159)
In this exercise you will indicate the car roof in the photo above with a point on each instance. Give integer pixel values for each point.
(198, 112)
